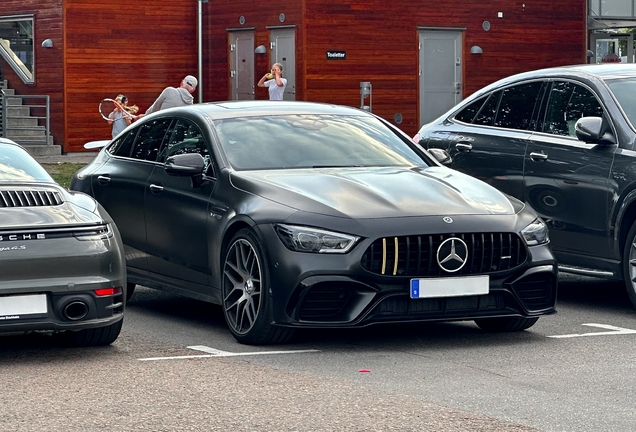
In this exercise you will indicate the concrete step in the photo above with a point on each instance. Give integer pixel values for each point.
(34, 140)
(42, 150)
(8, 92)
(25, 131)
(13, 121)
(18, 111)
(14, 101)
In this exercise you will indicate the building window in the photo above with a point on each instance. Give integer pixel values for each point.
(612, 8)
(16, 45)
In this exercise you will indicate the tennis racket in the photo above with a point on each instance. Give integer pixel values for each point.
(109, 107)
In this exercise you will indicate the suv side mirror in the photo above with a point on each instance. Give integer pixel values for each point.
(594, 130)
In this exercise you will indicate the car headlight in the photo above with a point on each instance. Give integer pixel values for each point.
(536, 233)
(314, 240)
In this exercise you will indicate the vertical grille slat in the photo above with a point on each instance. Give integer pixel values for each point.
(399, 256)
(28, 198)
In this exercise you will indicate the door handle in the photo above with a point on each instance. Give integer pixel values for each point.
(103, 180)
(156, 188)
(464, 146)
(538, 156)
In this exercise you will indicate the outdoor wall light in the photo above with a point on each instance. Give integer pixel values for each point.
(476, 49)
(47, 43)
(260, 50)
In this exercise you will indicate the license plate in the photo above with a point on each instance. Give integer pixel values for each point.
(450, 286)
(15, 306)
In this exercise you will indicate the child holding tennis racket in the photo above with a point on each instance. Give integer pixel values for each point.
(121, 114)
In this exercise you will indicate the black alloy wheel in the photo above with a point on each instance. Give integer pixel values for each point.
(629, 264)
(246, 299)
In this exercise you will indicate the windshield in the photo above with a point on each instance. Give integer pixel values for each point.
(312, 141)
(16, 165)
(624, 91)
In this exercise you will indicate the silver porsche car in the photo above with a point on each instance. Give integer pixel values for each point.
(62, 267)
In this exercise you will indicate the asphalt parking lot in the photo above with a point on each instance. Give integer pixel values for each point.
(176, 367)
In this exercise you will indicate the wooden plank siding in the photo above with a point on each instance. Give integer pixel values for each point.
(115, 47)
(105, 47)
(49, 79)
(380, 38)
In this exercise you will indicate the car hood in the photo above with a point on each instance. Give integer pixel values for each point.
(376, 192)
(64, 209)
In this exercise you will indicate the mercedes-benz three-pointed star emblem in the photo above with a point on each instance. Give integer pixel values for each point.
(452, 254)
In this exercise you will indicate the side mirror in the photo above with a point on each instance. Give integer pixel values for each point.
(594, 130)
(441, 156)
(185, 165)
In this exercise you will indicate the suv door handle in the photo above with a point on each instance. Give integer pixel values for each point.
(156, 188)
(464, 146)
(538, 156)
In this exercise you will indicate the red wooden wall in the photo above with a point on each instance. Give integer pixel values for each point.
(49, 79)
(105, 47)
(380, 38)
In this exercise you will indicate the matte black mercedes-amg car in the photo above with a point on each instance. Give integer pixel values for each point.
(298, 215)
(563, 140)
(62, 266)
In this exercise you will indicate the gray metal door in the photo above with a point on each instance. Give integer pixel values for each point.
(283, 51)
(440, 72)
(242, 65)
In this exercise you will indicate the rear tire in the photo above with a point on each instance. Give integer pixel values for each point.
(247, 302)
(506, 324)
(629, 264)
(99, 336)
(130, 290)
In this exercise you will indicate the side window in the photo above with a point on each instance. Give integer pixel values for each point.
(569, 102)
(468, 113)
(186, 137)
(517, 106)
(486, 115)
(123, 145)
(149, 139)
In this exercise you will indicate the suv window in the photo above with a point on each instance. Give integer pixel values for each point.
(569, 102)
(468, 113)
(486, 115)
(517, 106)
(149, 139)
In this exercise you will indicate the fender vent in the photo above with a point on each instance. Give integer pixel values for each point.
(29, 198)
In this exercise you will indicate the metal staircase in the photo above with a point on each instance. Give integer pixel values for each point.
(25, 119)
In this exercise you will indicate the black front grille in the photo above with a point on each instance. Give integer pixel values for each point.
(27, 198)
(416, 256)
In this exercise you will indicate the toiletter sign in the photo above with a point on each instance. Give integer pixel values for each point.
(336, 55)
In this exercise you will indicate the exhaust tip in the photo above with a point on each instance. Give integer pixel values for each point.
(75, 310)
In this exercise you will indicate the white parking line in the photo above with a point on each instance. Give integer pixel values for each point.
(212, 352)
(614, 331)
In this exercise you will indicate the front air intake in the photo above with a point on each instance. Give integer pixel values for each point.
(29, 198)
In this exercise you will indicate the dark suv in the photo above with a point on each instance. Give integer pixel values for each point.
(561, 139)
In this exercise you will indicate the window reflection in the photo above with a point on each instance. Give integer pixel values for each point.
(305, 141)
(16, 45)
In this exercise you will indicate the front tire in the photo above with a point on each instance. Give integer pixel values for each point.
(246, 293)
(505, 324)
(629, 264)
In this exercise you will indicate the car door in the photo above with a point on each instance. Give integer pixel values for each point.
(119, 184)
(493, 142)
(177, 213)
(568, 181)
